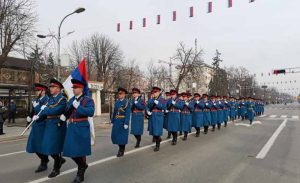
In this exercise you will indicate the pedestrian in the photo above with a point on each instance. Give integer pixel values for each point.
(186, 115)
(2, 113)
(12, 109)
(174, 106)
(120, 121)
(35, 139)
(78, 141)
(137, 116)
(155, 109)
(55, 129)
(197, 116)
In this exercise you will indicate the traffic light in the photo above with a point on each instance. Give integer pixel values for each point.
(280, 71)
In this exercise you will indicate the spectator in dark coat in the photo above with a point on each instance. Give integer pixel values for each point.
(12, 109)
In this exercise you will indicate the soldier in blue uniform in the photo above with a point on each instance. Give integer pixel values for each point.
(137, 117)
(120, 121)
(55, 129)
(197, 116)
(155, 109)
(232, 108)
(250, 109)
(168, 96)
(214, 112)
(226, 110)
(174, 106)
(206, 113)
(186, 115)
(242, 105)
(35, 139)
(220, 111)
(78, 137)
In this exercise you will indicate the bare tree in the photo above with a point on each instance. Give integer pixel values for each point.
(17, 21)
(189, 61)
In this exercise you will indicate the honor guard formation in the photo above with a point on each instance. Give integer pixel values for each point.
(61, 127)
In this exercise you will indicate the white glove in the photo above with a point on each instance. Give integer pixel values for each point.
(197, 102)
(35, 117)
(214, 103)
(136, 102)
(28, 119)
(43, 107)
(226, 102)
(206, 103)
(186, 103)
(167, 111)
(125, 127)
(149, 113)
(156, 102)
(34, 104)
(219, 102)
(62, 117)
(173, 102)
(76, 104)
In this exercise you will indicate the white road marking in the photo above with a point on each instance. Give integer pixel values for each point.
(295, 117)
(256, 122)
(263, 115)
(13, 153)
(283, 116)
(242, 124)
(264, 151)
(273, 116)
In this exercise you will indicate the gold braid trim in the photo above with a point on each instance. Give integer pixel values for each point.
(54, 105)
(122, 109)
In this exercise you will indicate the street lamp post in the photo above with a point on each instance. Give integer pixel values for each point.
(58, 37)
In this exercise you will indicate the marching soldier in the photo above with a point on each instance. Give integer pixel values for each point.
(232, 108)
(242, 105)
(155, 109)
(78, 137)
(55, 129)
(186, 116)
(137, 117)
(214, 112)
(206, 113)
(174, 106)
(226, 110)
(168, 96)
(220, 112)
(35, 139)
(120, 121)
(197, 117)
(250, 109)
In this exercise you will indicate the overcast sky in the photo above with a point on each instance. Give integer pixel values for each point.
(260, 36)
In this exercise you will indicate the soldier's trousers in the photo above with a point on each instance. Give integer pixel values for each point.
(44, 158)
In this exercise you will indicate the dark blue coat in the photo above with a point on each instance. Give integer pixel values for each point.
(55, 129)
(243, 109)
(78, 137)
(137, 117)
(35, 139)
(232, 109)
(250, 110)
(156, 120)
(120, 117)
(186, 117)
(174, 114)
(214, 113)
(197, 116)
(207, 113)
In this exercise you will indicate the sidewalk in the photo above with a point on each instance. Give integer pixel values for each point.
(13, 131)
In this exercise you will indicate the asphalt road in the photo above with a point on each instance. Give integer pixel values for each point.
(266, 152)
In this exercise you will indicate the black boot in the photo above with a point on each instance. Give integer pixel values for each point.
(213, 128)
(58, 162)
(169, 135)
(157, 146)
(198, 132)
(205, 129)
(185, 136)
(138, 141)
(225, 123)
(219, 126)
(42, 167)
(80, 174)
(174, 141)
(121, 151)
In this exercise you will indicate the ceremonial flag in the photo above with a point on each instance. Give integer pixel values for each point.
(130, 25)
(144, 22)
(209, 7)
(251, 1)
(80, 73)
(174, 15)
(118, 27)
(158, 19)
(192, 11)
(229, 3)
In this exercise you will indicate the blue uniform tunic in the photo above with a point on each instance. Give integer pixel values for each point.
(156, 119)
(232, 109)
(55, 129)
(243, 109)
(214, 113)
(207, 113)
(226, 110)
(186, 117)
(137, 116)
(35, 139)
(174, 115)
(197, 116)
(120, 117)
(78, 136)
(220, 112)
(250, 110)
